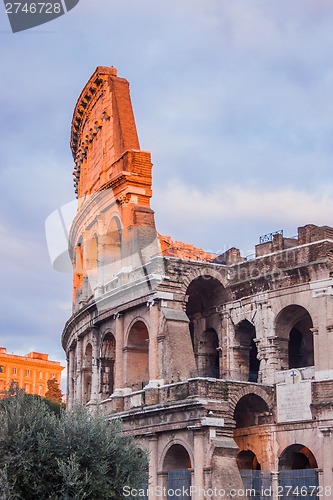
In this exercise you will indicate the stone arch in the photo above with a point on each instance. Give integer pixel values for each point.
(245, 391)
(137, 355)
(249, 411)
(247, 460)
(297, 456)
(293, 327)
(177, 467)
(208, 354)
(112, 258)
(91, 252)
(298, 466)
(78, 266)
(176, 442)
(87, 373)
(107, 363)
(204, 295)
(245, 352)
(201, 272)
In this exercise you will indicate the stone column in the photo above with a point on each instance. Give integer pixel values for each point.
(79, 385)
(227, 361)
(153, 345)
(275, 484)
(153, 466)
(71, 378)
(327, 456)
(199, 463)
(95, 366)
(267, 342)
(119, 380)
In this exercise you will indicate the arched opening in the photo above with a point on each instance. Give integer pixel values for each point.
(204, 295)
(91, 255)
(177, 465)
(250, 470)
(293, 328)
(87, 374)
(107, 360)
(246, 352)
(137, 366)
(251, 410)
(208, 357)
(112, 250)
(78, 271)
(296, 457)
(297, 466)
(247, 460)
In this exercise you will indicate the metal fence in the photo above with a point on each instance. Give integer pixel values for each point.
(179, 481)
(257, 483)
(295, 484)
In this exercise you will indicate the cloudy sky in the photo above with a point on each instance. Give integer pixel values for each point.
(233, 98)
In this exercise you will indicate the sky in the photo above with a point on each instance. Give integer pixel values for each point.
(234, 99)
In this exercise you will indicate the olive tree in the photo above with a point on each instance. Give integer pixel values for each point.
(69, 455)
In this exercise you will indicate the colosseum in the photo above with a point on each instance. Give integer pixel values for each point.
(220, 365)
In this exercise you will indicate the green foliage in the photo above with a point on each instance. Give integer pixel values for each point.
(74, 455)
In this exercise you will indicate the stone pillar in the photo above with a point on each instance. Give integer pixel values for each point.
(79, 385)
(199, 463)
(275, 484)
(153, 345)
(227, 361)
(267, 344)
(327, 456)
(71, 378)
(153, 466)
(95, 366)
(119, 380)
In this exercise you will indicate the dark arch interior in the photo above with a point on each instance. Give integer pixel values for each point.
(247, 460)
(204, 293)
(296, 457)
(177, 458)
(138, 356)
(247, 353)
(295, 323)
(250, 410)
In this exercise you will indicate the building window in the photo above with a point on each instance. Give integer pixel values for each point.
(14, 371)
(41, 375)
(26, 388)
(27, 373)
(40, 390)
(2, 370)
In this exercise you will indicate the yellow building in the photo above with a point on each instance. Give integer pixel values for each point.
(31, 371)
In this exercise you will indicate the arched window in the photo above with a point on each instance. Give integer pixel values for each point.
(297, 466)
(108, 356)
(137, 349)
(246, 352)
(250, 410)
(177, 465)
(112, 250)
(293, 328)
(87, 374)
(205, 294)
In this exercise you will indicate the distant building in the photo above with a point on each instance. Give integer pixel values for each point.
(221, 365)
(31, 372)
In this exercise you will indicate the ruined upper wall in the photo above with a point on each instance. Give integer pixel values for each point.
(103, 129)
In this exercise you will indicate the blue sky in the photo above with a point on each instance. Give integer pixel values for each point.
(233, 98)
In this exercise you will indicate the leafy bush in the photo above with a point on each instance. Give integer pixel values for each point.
(71, 455)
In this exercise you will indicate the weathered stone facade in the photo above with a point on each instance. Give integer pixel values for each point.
(217, 363)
